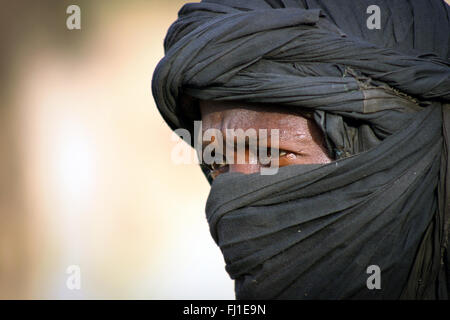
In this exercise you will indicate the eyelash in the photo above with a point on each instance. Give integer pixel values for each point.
(217, 166)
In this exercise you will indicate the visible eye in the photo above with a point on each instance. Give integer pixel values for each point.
(284, 158)
(283, 153)
(218, 166)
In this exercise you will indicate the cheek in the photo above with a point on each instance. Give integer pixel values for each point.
(244, 168)
(317, 153)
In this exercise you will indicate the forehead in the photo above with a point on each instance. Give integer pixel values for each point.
(240, 115)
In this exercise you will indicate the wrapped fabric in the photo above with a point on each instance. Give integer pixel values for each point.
(381, 98)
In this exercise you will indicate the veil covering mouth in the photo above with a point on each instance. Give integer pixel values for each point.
(381, 98)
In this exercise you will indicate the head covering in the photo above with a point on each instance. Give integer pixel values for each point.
(381, 98)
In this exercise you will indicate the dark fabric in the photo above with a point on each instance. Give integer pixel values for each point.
(379, 96)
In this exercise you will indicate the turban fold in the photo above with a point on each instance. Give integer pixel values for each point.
(381, 98)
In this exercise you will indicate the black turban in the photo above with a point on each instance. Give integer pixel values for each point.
(380, 96)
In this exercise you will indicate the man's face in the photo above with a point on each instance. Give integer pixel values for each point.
(300, 139)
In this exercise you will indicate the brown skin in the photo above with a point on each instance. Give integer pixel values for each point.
(301, 141)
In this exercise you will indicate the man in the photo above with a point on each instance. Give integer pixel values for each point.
(363, 120)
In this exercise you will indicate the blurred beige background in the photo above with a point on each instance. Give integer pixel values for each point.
(86, 176)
